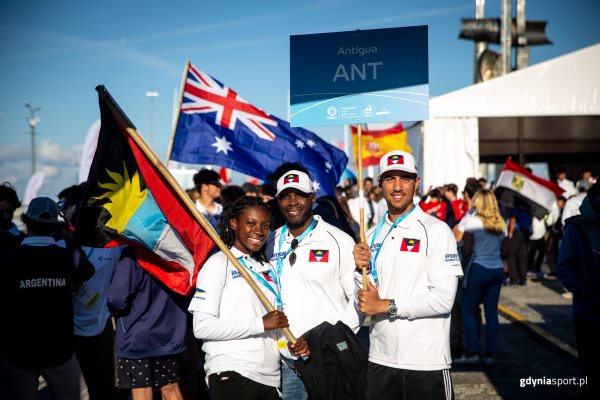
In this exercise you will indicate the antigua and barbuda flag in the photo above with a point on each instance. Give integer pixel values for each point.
(291, 178)
(519, 188)
(410, 245)
(395, 159)
(130, 201)
(319, 256)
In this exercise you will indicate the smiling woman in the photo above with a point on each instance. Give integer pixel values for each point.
(229, 317)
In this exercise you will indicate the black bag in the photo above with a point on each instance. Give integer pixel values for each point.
(337, 366)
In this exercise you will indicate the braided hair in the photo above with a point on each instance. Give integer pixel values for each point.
(234, 211)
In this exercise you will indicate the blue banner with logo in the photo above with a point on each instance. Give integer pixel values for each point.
(363, 76)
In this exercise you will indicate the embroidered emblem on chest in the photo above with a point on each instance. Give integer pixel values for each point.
(318, 256)
(410, 245)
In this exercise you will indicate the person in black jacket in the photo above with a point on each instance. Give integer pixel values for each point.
(36, 283)
(10, 235)
(151, 329)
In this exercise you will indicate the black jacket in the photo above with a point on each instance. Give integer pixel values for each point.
(337, 367)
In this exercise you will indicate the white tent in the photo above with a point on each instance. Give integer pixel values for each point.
(547, 108)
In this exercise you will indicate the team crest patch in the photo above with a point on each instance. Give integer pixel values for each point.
(410, 245)
(267, 276)
(395, 159)
(235, 274)
(199, 294)
(291, 178)
(199, 291)
(319, 256)
(517, 182)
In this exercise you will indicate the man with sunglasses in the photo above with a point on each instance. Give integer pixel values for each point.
(415, 268)
(312, 263)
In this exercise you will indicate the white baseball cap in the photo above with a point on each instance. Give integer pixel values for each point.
(294, 179)
(397, 160)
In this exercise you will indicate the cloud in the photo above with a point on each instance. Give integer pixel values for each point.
(55, 154)
(59, 163)
(10, 152)
(378, 22)
(58, 44)
(255, 19)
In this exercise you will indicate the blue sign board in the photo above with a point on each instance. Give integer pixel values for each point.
(363, 76)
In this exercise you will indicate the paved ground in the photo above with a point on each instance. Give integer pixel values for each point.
(536, 341)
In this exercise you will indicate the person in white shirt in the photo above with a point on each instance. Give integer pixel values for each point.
(482, 233)
(415, 268)
(574, 202)
(564, 183)
(313, 265)
(241, 339)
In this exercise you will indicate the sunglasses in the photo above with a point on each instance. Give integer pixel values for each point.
(293, 254)
(62, 205)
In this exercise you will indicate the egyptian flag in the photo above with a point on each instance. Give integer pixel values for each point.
(516, 187)
(129, 201)
(376, 143)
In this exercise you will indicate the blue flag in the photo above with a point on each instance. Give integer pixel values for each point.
(218, 127)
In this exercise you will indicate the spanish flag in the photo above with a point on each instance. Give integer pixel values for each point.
(376, 143)
(129, 201)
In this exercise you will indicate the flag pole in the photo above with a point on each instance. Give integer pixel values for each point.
(176, 121)
(175, 187)
(361, 198)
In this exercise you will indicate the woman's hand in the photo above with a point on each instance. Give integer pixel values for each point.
(275, 320)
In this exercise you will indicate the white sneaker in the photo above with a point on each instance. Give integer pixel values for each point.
(464, 360)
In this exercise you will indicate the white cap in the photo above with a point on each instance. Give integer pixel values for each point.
(294, 180)
(397, 160)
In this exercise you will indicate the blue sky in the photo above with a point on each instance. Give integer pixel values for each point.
(54, 53)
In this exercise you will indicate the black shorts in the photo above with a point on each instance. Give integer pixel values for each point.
(392, 383)
(148, 372)
(231, 385)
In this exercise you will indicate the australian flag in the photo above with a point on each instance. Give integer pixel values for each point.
(218, 127)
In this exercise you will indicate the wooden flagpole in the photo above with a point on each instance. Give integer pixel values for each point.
(361, 199)
(187, 201)
(183, 80)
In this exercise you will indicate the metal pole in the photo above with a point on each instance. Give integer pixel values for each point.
(522, 48)
(32, 122)
(152, 95)
(505, 37)
(480, 47)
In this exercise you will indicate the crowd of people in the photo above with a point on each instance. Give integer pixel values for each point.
(428, 258)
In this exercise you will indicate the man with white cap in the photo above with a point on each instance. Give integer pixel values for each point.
(414, 268)
(313, 265)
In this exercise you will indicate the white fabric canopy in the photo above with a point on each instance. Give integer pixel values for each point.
(566, 86)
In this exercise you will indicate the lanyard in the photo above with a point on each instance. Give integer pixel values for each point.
(260, 279)
(374, 237)
(280, 257)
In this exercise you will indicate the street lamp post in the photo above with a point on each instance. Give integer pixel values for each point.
(32, 122)
(151, 95)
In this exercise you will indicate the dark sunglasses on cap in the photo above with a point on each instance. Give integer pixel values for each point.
(293, 254)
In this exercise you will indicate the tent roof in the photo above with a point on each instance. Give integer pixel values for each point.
(566, 85)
